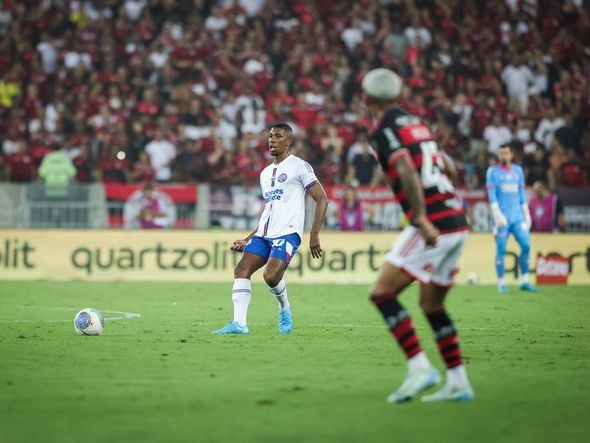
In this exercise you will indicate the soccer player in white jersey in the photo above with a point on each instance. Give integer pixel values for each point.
(274, 242)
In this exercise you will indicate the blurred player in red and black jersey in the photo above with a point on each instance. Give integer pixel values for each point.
(428, 250)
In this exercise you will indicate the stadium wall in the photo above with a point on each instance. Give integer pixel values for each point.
(192, 256)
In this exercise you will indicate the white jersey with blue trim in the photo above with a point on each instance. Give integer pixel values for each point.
(283, 188)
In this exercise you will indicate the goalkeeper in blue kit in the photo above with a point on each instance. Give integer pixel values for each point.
(505, 185)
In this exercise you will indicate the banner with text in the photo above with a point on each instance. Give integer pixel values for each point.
(382, 212)
(205, 256)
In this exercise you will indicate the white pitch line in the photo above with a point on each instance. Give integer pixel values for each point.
(119, 315)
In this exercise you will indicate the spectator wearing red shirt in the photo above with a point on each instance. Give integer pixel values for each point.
(21, 166)
(303, 114)
(151, 63)
(249, 162)
(571, 171)
(113, 168)
(282, 96)
(225, 170)
(148, 105)
(84, 165)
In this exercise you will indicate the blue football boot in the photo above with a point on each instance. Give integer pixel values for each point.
(233, 328)
(285, 321)
(527, 287)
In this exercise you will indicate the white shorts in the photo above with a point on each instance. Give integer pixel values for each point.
(436, 264)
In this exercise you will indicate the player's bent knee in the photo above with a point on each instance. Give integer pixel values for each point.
(272, 283)
(242, 274)
(272, 279)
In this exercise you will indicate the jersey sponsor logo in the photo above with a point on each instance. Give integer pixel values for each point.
(282, 177)
(275, 194)
(509, 187)
(414, 134)
(407, 120)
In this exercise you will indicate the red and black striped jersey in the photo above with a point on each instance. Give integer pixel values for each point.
(399, 133)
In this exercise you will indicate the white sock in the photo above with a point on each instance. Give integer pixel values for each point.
(524, 278)
(501, 281)
(419, 362)
(457, 376)
(241, 294)
(280, 292)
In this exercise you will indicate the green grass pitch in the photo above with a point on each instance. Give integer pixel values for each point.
(162, 377)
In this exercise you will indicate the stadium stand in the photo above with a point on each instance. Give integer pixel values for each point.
(195, 84)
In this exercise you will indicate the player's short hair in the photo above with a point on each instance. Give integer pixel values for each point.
(382, 84)
(284, 126)
(505, 146)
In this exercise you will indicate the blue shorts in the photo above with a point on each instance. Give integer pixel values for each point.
(283, 247)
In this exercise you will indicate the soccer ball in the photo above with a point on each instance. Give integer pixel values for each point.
(472, 278)
(89, 322)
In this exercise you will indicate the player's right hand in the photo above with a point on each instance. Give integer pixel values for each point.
(239, 245)
(428, 231)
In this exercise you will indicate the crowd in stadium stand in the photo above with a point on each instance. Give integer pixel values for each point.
(185, 91)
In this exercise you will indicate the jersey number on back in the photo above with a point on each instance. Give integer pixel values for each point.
(432, 167)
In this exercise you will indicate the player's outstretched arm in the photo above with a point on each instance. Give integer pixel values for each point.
(411, 185)
(318, 194)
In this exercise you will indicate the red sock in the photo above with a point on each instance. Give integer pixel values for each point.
(446, 338)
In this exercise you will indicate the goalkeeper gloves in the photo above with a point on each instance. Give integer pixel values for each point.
(499, 218)
(526, 224)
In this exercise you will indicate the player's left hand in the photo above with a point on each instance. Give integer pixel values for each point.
(526, 225)
(314, 245)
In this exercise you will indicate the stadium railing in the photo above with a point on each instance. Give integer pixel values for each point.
(204, 206)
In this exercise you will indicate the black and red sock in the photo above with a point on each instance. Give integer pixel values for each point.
(399, 322)
(446, 338)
